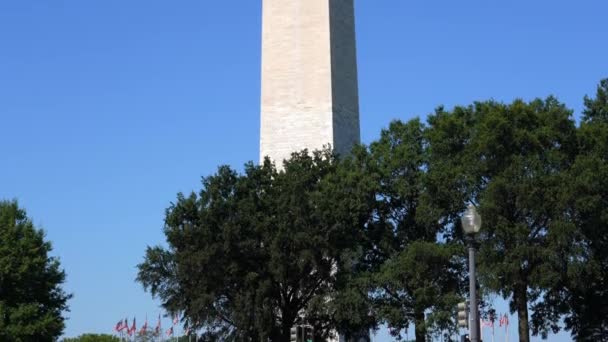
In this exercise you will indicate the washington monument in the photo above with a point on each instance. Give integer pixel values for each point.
(309, 77)
(309, 81)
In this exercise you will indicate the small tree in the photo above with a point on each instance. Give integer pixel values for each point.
(31, 297)
(92, 338)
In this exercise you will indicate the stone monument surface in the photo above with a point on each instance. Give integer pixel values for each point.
(309, 77)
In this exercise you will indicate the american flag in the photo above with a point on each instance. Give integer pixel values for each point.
(144, 327)
(119, 326)
(157, 329)
(504, 320)
(133, 328)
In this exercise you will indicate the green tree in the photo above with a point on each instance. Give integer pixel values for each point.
(420, 285)
(596, 109)
(151, 336)
(512, 161)
(31, 297)
(587, 283)
(254, 253)
(148, 336)
(92, 338)
(413, 278)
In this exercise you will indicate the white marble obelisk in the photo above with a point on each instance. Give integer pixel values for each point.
(309, 77)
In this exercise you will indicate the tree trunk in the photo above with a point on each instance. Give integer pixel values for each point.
(521, 302)
(420, 327)
(285, 332)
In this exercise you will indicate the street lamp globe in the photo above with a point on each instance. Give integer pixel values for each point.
(471, 221)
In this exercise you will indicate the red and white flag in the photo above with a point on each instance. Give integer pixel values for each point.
(133, 328)
(504, 320)
(144, 327)
(119, 326)
(170, 331)
(157, 329)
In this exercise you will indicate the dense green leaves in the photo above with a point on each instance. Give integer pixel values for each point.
(420, 285)
(412, 278)
(587, 276)
(596, 109)
(375, 237)
(31, 298)
(92, 338)
(512, 161)
(252, 253)
(149, 336)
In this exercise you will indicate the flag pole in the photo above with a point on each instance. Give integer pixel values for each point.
(507, 333)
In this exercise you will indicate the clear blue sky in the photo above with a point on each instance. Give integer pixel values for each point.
(109, 108)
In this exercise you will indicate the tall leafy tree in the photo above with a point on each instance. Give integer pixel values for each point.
(588, 184)
(512, 161)
(31, 298)
(255, 253)
(413, 277)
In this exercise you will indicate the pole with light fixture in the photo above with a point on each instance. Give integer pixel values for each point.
(471, 224)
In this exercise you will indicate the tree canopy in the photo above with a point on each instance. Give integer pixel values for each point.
(92, 338)
(253, 254)
(514, 159)
(412, 277)
(31, 298)
(587, 274)
(345, 244)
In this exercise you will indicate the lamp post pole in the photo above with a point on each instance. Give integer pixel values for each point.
(471, 224)
(474, 313)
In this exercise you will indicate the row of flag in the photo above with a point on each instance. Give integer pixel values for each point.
(123, 327)
(503, 321)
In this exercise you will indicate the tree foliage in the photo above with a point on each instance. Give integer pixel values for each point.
(375, 237)
(587, 274)
(513, 160)
(254, 253)
(413, 278)
(92, 338)
(31, 298)
(148, 336)
(420, 285)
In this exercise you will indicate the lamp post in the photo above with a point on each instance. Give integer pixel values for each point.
(471, 223)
